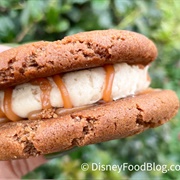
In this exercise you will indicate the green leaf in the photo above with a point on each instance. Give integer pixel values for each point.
(6, 27)
(33, 11)
(63, 25)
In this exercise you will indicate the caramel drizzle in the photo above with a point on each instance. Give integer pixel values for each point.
(64, 92)
(2, 115)
(7, 105)
(108, 83)
(45, 87)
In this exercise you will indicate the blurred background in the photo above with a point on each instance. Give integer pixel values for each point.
(23, 21)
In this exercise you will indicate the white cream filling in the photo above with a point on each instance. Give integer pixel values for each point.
(84, 87)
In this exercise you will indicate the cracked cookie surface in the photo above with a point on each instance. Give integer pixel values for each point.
(113, 120)
(79, 51)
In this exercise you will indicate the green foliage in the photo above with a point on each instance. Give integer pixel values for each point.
(32, 20)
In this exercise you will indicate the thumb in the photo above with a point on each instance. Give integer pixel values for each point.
(15, 169)
(3, 48)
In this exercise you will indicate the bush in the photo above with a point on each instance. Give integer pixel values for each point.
(33, 20)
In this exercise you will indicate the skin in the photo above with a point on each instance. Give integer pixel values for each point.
(15, 169)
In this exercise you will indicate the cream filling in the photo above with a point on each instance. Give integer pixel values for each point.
(84, 87)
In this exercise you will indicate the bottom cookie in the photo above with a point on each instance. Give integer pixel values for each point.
(99, 123)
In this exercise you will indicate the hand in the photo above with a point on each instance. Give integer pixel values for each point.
(3, 48)
(15, 169)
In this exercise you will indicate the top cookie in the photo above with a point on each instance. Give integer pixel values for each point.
(79, 51)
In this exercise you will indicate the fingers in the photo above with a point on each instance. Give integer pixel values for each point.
(3, 48)
(15, 169)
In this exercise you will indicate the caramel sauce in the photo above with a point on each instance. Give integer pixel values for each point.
(7, 105)
(34, 115)
(64, 92)
(108, 83)
(3, 120)
(2, 115)
(45, 87)
(63, 111)
(37, 114)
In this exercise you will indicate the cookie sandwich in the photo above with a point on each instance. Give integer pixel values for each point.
(87, 88)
